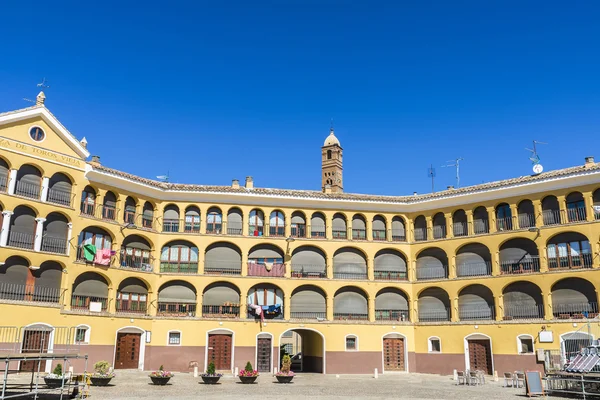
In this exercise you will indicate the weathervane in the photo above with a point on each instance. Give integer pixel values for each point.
(456, 163)
(42, 85)
(535, 158)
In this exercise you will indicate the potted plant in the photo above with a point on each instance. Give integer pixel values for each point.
(285, 375)
(248, 374)
(56, 379)
(161, 377)
(102, 374)
(210, 377)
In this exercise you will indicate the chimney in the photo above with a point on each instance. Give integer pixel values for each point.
(249, 182)
(450, 187)
(95, 160)
(589, 162)
(84, 142)
(235, 183)
(414, 193)
(327, 189)
(40, 99)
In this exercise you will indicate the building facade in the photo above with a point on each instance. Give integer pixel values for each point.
(146, 273)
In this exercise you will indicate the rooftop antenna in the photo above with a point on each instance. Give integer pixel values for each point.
(535, 158)
(163, 178)
(431, 174)
(43, 84)
(456, 164)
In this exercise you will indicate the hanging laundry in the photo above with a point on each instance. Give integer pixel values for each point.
(102, 257)
(89, 252)
(258, 311)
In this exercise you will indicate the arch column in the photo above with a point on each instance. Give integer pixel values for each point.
(498, 301)
(562, 205)
(496, 270)
(328, 226)
(454, 309)
(45, 188)
(152, 301)
(329, 267)
(329, 308)
(39, 233)
(287, 307)
(288, 226)
(491, 211)
(371, 308)
(370, 269)
(537, 211)
(12, 181)
(415, 311)
(429, 224)
(5, 227)
(69, 237)
(589, 206)
(66, 283)
(408, 230)
(514, 219)
(244, 263)
(470, 229)
(449, 226)
(547, 299)
(369, 229)
(112, 301)
(243, 304)
(201, 257)
(543, 252)
(308, 232)
(452, 267)
(411, 270)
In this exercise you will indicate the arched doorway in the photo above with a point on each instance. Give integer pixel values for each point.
(220, 349)
(478, 353)
(310, 350)
(264, 352)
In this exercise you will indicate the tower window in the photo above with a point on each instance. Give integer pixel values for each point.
(329, 154)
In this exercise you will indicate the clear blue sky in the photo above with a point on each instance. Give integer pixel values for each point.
(212, 91)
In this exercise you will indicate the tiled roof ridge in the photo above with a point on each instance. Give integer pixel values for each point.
(350, 196)
(21, 110)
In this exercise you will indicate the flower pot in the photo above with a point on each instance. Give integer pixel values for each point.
(100, 381)
(54, 383)
(210, 379)
(160, 380)
(284, 378)
(248, 379)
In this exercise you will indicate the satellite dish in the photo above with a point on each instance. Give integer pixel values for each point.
(538, 168)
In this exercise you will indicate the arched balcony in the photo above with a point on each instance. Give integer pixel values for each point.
(55, 234)
(29, 182)
(350, 303)
(379, 231)
(214, 221)
(136, 254)
(223, 258)
(130, 209)
(132, 297)
(391, 304)
(94, 246)
(318, 226)
(504, 218)
(481, 221)
(349, 263)
(90, 293)
(574, 298)
(265, 301)
(235, 221)
(277, 224)
(519, 256)
(432, 263)
(595, 199)
(88, 201)
(171, 221)
(308, 303)
(526, 214)
(575, 207)
(179, 256)
(460, 226)
(221, 300)
(266, 260)
(19, 282)
(390, 265)
(359, 227)
(109, 207)
(434, 305)
(309, 262)
(420, 230)
(473, 259)
(4, 174)
(148, 216)
(298, 224)
(439, 226)
(256, 223)
(60, 190)
(21, 232)
(339, 227)
(398, 229)
(569, 250)
(191, 222)
(476, 302)
(551, 214)
(523, 300)
(176, 299)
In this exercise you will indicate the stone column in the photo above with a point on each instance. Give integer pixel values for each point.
(562, 205)
(429, 232)
(470, 228)
(498, 307)
(244, 264)
(408, 230)
(5, 227)
(369, 230)
(112, 301)
(411, 271)
(588, 199)
(329, 308)
(329, 268)
(547, 298)
(492, 219)
(514, 212)
(328, 227)
(415, 311)
(449, 225)
(371, 308)
(152, 306)
(288, 226)
(454, 309)
(287, 307)
(452, 271)
(39, 232)
(45, 188)
(496, 268)
(243, 304)
(370, 269)
(69, 236)
(543, 260)
(537, 212)
(12, 181)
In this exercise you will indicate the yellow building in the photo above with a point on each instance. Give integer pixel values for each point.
(149, 273)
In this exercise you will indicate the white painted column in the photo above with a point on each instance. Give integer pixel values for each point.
(45, 187)
(12, 181)
(69, 236)
(39, 231)
(5, 226)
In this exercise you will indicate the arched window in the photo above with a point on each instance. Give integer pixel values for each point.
(59, 190)
(130, 208)
(88, 201)
(94, 246)
(256, 222)
(329, 154)
(214, 221)
(179, 256)
(277, 224)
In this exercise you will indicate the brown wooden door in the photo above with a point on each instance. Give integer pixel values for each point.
(35, 341)
(480, 356)
(263, 356)
(127, 355)
(393, 354)
(219, 351)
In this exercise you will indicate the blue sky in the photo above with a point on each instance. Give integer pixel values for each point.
(212, 91)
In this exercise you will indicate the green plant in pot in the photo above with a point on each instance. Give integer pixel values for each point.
(285, 375)
(210, 377)
(161, 377)
(102, 374)
(248, 374)
(57, 378)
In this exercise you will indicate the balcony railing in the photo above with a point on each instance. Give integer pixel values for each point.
(349, 275)
(460, 229)
(21, 240)
(576, 214)
(105, 212)
(62, 197)
(256, 269)
(468, 313)
(595, 208)
(481, 226)
(339, 234)
(136, 259)
(523, 311)
(382, 275)
(524, 265)
(54, 244)
(255, 230)
(214, 228)
(3, 183)
(309, 271)
(20, 292)
(439, 231)
(359, 234)
(234, 228)
(350, 316)
(183, 267)
(222, 311)
(131, 307)
(434, 315)
(298, 230)
(420, 234)
(551, 217)
(271, 311)
(398, 235)
(176, 309)
(317, 231)
(321, 315)
(526, 221)
(276, 231)
(379, 235)
(575, 310)
(505, 224)
(424, 273)
(83, 302)
(571, 262)
(474, 269)
(29, 190)
(222, 268)
(391, 315)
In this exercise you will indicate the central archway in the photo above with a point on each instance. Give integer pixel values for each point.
(310, 354)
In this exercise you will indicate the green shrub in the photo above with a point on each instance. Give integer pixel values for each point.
(286, 363)
(249, 367)
(211, 368)
(102, 367)
(161, 368)
(58, 370)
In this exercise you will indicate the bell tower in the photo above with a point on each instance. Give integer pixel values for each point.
(331, 164)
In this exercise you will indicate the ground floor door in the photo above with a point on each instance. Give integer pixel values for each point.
(263, 354)
(480, 356)
(35, 341)
(393, 354)
(127, 355)
(219, 351)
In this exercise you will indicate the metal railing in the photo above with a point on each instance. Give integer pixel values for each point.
(131, 307)
(516, 311)
(382, 275)
(309, 271)
(359, 234)
(424, 273)
(349, 275)
(434, 315)
(321, 315)
(256, 269)
(571, 262)
(474, 269)
(420, 234)
(439, 231)
(3, 183)
(62, 197)
(184, 267)
(137, 259)
(468, 313)
(255, 230)
(176, 309)
(577, 214)
(339, 234)
(80, 256)
(526, 220)
(276, 231)
(398, 235)
(350, 316)
(21, 292)
(391, 315)
(575, 310)
(217, 267)
(317, 231)
(83, 302)
(54, 244)
(21, 240)
(481, 226)
(38, 339)
(551, 217)
(29, 190)
(214, 228)
(298, 230)
(222, 311)
(505, 224)
(379, 235)
(235, 228)
(460, 229)
(595, 208)
(524, 265)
